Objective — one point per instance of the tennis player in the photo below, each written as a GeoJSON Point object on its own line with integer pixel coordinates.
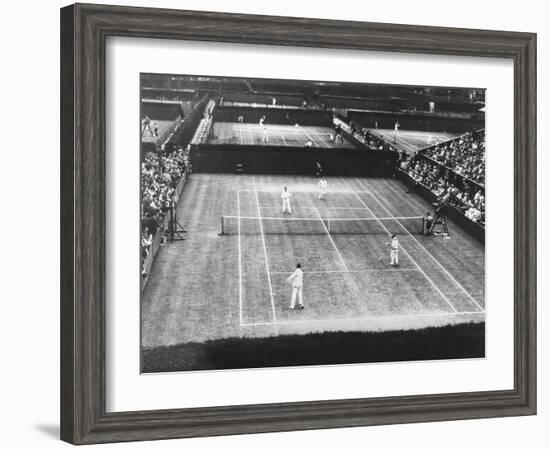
{"type": "Point", "coordinates": [146, 125]}
{"type": "Point", "coordinates": [297, 281]}
{"type": "Point", "coordinates": [395, 131]}
{"type": "Point", "coordinates": [394, 250]}
{"type": "Point", "coordinates": [322, 188]}
{"type": "Point", "coordinates": [265, 137]}
{"type": "Point", "coordinates": [338, 135]}
{"type": "Point", "coordinates": [285, 196]}
{"type": "Point", "coordinates": [428, 224]}
{"type": "Point", "coordinates": [318, 170]}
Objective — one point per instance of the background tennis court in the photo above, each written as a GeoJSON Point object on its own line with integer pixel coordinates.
{"type": "Point", "coordinates": [411, 141]}
{"type": "Point", "coordinates": [212, 286]}
{"type": "Point", "coordinates": [285, 135]}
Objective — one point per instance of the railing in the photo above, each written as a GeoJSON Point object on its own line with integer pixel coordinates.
{"type": "Point", "coordinates": [465, 179]}
{"type": "Point", "coordinates": [359, 140]}
{"type": "Point", "coordinates": [456, 214]}
{"type": "Point", "coordinates": [183, 134]}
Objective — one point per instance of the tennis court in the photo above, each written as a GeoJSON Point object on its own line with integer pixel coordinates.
{"type": "Point", "coordinates": [412, 141]}
{"type": "Point", "coordinates": [284, 135]}
{"type": "Point", "coordinates": [233, 285]}
{"type": "Point", "coordinates": [163, 127]}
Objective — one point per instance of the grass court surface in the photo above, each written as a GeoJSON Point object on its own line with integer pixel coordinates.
{"type": "Point", "coordinates": [162, 125]}
{"type": "Point", "coordinates": [412, 141]}
{"type": "Point", "coordinates": [211, 287]}
{"type": "Point", "coordinates": [284, 135]}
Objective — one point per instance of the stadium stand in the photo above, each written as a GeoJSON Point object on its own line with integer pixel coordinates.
{"type": "Point", "coordinates": [264, 100]}
{"type": "Point", "coordinates": [362, 135]}
{"type": "Point", "coordinates": [450, 172]}
{"type": "Point", "coordinates": [162, 180]}
{"type": "Point", "coordinates": [465, 156]}
{"type": "Point", "coordinates": [163, 176]}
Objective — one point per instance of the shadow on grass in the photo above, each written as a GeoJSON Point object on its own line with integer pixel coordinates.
{"type": "Point", "coordinates": [327, 348]}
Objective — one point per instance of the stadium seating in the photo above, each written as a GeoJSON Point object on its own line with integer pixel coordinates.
{"type": "Point", "coordinates": [448, 184]}
{"type": "Point", "coordinates": [465, 156]}
{"type": "Point", "coordinates": [160, 176]}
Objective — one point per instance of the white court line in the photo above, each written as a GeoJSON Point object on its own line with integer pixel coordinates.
{"type": "Point", "coordinates": [374, 218]}
{"type": "Point", "coordinates": [243, 135]}
{"type": "Point", "coordinates": [430, 254]}
{"type": "Point", "coordinates": [322, 140]}
{"type": "Point", "coordinates": [319, 137]}
{"type": "Point", "coordinates": [311, 190]}
{"type": "Point", "coordinates": [332, 241]}
{"type": "Point", "coordinates": [345, 208]}
{"type": "Point", "coordinates": [403, 142]}
{"type": "Point", "coordinates": [393, 270]}
{"type": "Point", "coordinates": [389, 138]}
{"type": "Point", "coordinates": [410, 257]}
{"type": "Point", "coordinates": [240, 259]}
{"type": "Point", "coordinates": [266, 260]}
{"type": "Point", "coordinates": [295, 207]}
{"type": "Point", "coordinates": [310, 138]}
{"type": "Point", "coordinates": [251, 136]}
{"type": "Point", "coordinates": [369, 318]}
{"type": "Point", "coordinates": [313, 207]}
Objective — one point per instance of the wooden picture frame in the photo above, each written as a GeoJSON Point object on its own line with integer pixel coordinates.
{"type": "Point", "coordinates": [84, 29]}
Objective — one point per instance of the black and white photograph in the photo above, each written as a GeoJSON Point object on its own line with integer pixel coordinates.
{"type": "Point", "coordinates": [298, 222]}
{"type": "Point", "coordinates": [275, 224]}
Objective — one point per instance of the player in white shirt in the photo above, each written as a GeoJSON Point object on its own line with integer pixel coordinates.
{"type": "Point", "coordinates": [297, 281]}
{"type": "Point", "coordinates": [322, 188]}
{"type": "Point", "coordinates": [394, 251]}
{"type": "Point", "coordinates": [265, 137]}
{"type": "Point", "coordinates": [285, 196]}
{"type": "Point", "coordinates": [395, 131]}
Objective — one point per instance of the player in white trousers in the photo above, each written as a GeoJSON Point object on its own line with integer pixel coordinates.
{"type": "Point", "coordinates": [297, 281]}
{"type": "Point", "coordinates": [395, 131]}
{"type": "Point", "coordinates": [322, 188]}
{"type": "Point", "coordinates": [265, 137]}
{"type": "Point", "coordinates": [394, 251]}
{"type": "Point", "coordinates": [285, 196]}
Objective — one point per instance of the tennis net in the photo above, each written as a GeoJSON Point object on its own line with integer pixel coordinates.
{"type": "Point", "coordinates": [233, 225]}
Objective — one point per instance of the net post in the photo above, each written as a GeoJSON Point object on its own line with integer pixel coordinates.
{"type": "Point", "coordinates": [221, 225]}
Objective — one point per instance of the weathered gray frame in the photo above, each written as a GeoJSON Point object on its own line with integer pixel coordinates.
{"type": "Point", "coordinates": [84, 29]}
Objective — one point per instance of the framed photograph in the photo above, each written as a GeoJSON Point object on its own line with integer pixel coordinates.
{"type": "Point", "coordinates": [274, 223]}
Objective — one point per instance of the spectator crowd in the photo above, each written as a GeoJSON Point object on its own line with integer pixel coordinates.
{"type": "Point", "coordinates": [446, 185]}
{"type": "Point", "coordinates": [160, 174]}
{"type": "Point", "coordinates": [365, 136]}
{"type": "Point", "coordinates": [465, 156]}
{"type": "Point", "coordinates": [374, 141]}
